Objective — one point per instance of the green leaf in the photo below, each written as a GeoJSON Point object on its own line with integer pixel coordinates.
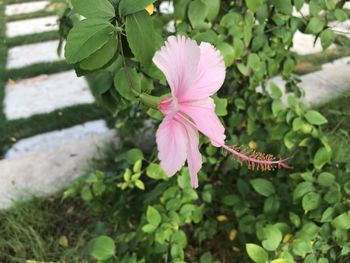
{"type": "Point", "coordinates": [302, 189]}
{"type": "Point", "coordinates": [330, 4]}
{"type": "Point", "coordinates": [148, 228]}
{"type": "Point", "coordinates": [301, 247]}
{"type": "Point", "coordinates": [327, 38]}
{"type": "Point", "coordinates": [341, 15]}
{"type": "Point", "coordinates": [240, 104]}
{"type": "Point", "coordinates": [311, 201]}
{"type": "Point", "coordinates": [133, 155]}
{"type": "Point", "coordinates": [101, 248]}
{"type": "Point", "coordinates": [325, 179]}
{"type": "Point", "coordinates": [140, 185]}
{"type": "Point", "coordinates": [127, 7]}
{"type": "Point", "coordinates": [156, 172]}
{"type": "Point", "coordinates": [213, 7]}
{"type": "Point", "coordinates": [322, 157]}
{"type": "Point", "coordinates": [139, 26]}
{"type": "Point", "coordinates": [275, 90]}
{"type": "Point", "coordinates": [263, 186]}
{"type": "Point", "coordinates": [277, 106]}
{"type": "Point", "coordinates": [327, 215]}
{"type": "Point", "coordinates": [298, 4]}
{"type": "Point", "coordinates": [153, 216]}
{"type": "Point", "coordinates": [254, 61]}
{"type": "Point", "coordinates": [197, 12]}
{"type": "Point", "coordinates": [257, 253]}
{"type": "Point", "coordinates": [243, 69]}
{"type": "Point", "coordinates": [283, 6]}
{"type": "Point", "coordinates": [86, 37]}
{"type": "Point", "coordinates": [342, 221]}
{"type": "Point", "coordinates": [220, 106]}
{"type": "Point", "coordinates": [101, 57]}
{"type": "Point", "coordinates": [227, 52]}
{"type": "Point", "coordinates": [272, 237]}
{"type": "Point", "coordinates": [254, 5]}
{"type": "Point", "coordinates": [206, 258]}
{"type": "Point", "coordinates": [315, 118]}
{"type": "Point", "coordinates": [128, 83]}
{"type": "Point", "coordinates": [179, 238]}
{"type": "Point", "coordinates": [180, 8]}
{"type": "Point", "coordinates": [315, 25]}
{"type": "Point", "coordinates": [94, 8]}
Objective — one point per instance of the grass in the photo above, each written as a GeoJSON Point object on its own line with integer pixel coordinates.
{"type": "Point", "coordinates": [313, 62]}
{"type": "Point", "coordinates": [35, 38]}
{"type": "Point", "coordinates": [41, 229]}
{"type": "Point", "coordinates": [37, 14]}
{"type": "Point", "coordinates": [337, 112]}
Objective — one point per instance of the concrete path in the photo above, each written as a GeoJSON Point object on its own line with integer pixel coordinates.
{"type": "Point", "coordinates": [45, 163]}
{"type": "Point", "coordinates": [324, 85]}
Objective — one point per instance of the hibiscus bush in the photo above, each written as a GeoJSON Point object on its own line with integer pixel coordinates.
{"type": "Point", "coordinates": [207, 81]}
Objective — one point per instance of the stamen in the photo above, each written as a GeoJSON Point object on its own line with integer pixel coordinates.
{"type": "Point", "coordinates": [255, 160]}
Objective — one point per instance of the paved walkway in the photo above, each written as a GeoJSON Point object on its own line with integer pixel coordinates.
{"type": "Point", "coordinates": [47, 162]}
{"type": "Point", "coordinates": [44, 163]}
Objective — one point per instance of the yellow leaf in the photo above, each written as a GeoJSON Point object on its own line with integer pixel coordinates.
{"type": "Point", "coordinates": [236, 249]}
{"type": "Point", "coordinates": [287, 238]}
{"type": "Point", "coordinates": [222, 218]}
{"type": "Point", "coordinates": [63, 241]}
{"type": "Point", "coordinates": [150, 9]}
{"type": "Point", "coordinates": [233, 234]}
{"type": "Point", "coordinates": [280, 260]}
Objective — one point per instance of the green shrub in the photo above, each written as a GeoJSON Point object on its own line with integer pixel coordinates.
{"type": "Point", "coordinates": [236, 215]}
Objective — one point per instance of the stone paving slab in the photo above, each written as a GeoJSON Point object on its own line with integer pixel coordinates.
{"type": "Point", "coordinates": [50, 170]}
{"type": "Point", "coordinates": [304, 44]}
{"type": "Point", "coordinates": [26, 55]}
{"type": "Point", "coordinates": [321, 86]}
{"type": "Point", "coordinates": [31, 26]}
{"type": "Point", "coordinates": [341, 27]}
{"type": "Point", "coordinates": [53, 139]}
{"type": "Point", "coordinates": [25, 8]}
{"type": "Point", "coordinates": [44, 94]}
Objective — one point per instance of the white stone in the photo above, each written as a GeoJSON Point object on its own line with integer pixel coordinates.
{"type": "Point", "coordinates": [321, 86]}
{"type": "Point", "coordinates": [303, 44]}
{"type": "Point", "coordinates": [53, 139]}
{"type": "Point", "coordinates": [50, 170]}
{"type": "Point", "coordinates": [303, 12]}
{"type": "Point", "coordinates": [166, 7]}
{"type": "Point", "coordinates": [44, 94]}
{"type": "Point", "coordinates": [341, 27]}
{"type": "Point", "coordinates": [25, 8]}
{"type": "Point", "coordinates": [26, 55]}
{"type": "Point", "coordinates": [31, 26]}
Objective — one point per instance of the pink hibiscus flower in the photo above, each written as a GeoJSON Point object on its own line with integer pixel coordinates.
{"type": "Point", "coordinates": [194, 73]}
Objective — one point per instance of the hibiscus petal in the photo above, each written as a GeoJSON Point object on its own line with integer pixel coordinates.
{"type": "Point", "coordinates": [172, 141]}
{"type": "Point", "coordinates": [202, 112]}
{"type": "Point", "coordinates": [194, 158]}
{"type": "Point", "coordinates": [210, 74]}
{"type": "Point", "coordinates": [178, 60]}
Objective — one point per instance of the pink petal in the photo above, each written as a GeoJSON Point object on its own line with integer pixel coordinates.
{"type": "Point", "coordinates": [203, 114]}
{"type": "Point", "coordinates": [172, 141]}
{"type": "Point", "coordinates": [178, 60]}
{"type": "Point", "coordinates": [194, 158]}
{"type": "Point", "coordinates": [210, 74]}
